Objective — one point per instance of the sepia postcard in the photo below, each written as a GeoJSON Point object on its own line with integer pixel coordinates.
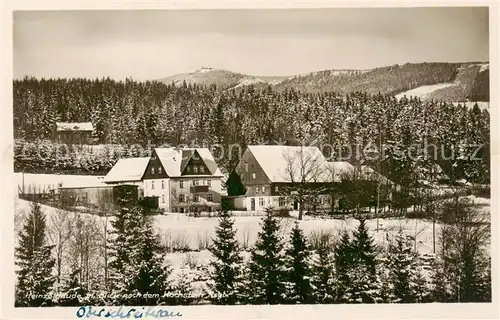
{"type": "Point", "coordinates": [249, 161]}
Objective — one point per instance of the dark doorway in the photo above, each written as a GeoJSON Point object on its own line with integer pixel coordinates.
{"type": "Point", "coordinates": [295, 205]}
{"type": "Point", "coordinates": [252, 204]}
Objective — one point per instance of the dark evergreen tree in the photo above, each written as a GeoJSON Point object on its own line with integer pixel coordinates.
{"type": "Point", "coordinates": [34, 262]}
{"type": "Point", "coordinates": [405, 271]}
{"type": "Point", "coordinates": [149, 273]}
{"type": "Point", "coordinates": [267, 274]}
{"type": "Point", "coordinates": [136, 262]}
{"type": "Point", "coordinates": [226, 275]}
{"type": "Point", "coordinates": [344, 256]}
{"type": "Point", "coordinates": [363, 248]}
{"type": "Point", "coordinates": [323, 274]}
{"type": "Point", "coordinates": [297, 267]}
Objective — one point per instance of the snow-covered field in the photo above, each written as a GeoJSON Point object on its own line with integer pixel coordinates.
{"type": "Point", "coordinates": [424, 91]}
{"type": "Point", "coordinates": [195, 233]}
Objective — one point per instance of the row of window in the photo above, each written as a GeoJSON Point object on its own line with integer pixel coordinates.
{"type": "Point", "coordinates": [153, 170]}
{"type": "Point", "coordinates": [195, 169]}
{"type": "Point", "coordinates": [190, 169]}
{"type": "Point", "coordinates": [263, 188]}
{"type": "Point", "coordinates": [181, 183]}
{"type": "Point", "coordinates": [281, 200]}
{"type": "Point", "coordinates": [196, 197]}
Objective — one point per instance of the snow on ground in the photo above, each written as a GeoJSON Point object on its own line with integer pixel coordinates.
{"type": "Point", "coordinates": [52, 181]}
{"type": "Point", "coordinates": [424, 91]}
{"type": "Point", "coordinates": [195, 232]}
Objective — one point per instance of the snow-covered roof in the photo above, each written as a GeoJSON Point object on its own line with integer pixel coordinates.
{"type": "Point", "coordinates": [290, 163]}
{"type": "Point", "coordinates": [335, 170]}
{"type": "Point", "coordinates": [129, 169]}
{"type": "Point", "coordinates": [174, 160]}
{"type": "Point", "coordinates": [74, 126]}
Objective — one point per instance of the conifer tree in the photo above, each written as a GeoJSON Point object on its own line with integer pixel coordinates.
{"type": "Point", "coordinates": [149, 277]}
{"type": "Point", "coordinates": [267, 274]}
{"type": "Point", "coordinates": [34, 262]}
{"type": "Point", "coordinates": [226, 275]}
{"type": "Point", "coordinates": [363, 247]}
{"type": "Point", "coordinates": [343, 261]}
{"type": "Point", "coordinates": [405, 273]}
{"type": "Point", "coordinates": [297, 266]}
{"type": "Point", "coordinates": [136, 266]}
{"type": "Point", "coordinates": [182, 289]}
{"type": "Point", "coordinates": [323, 274]}
{"type": "Point", "coordinates": [365, 286]}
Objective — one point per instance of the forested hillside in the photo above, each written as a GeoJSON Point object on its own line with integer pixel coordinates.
{"type": "Point", "coordinates": [386, 80]}
{"type": "Point", "coordinates": [223, 79]}
{"type": "Point", "coordinates": [132, 112]}
{"type": "Point", "coordinates": [461, 81]}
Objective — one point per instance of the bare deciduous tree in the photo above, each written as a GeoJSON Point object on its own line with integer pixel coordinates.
{"type": "Point", "coordinates": [304, 172]}
{"type": "Point", "coordinates": [59, 233]}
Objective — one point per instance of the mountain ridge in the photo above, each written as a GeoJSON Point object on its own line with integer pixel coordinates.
{"type": "Point", "coordinates": [454, 81]}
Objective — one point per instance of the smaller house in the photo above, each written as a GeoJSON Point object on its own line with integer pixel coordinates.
{"type": "Point", "coordinates": [74, 132]}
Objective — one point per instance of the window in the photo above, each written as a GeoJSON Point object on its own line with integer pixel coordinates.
{"type": "Point", "coordinates": [159, 170]}
{"type": "Point", "coordinates": [257, 189]}
{"type": "Point", "coordinates": [153, 156]}
{"type": "Point", "coordinates": [181, 198]}
{"type": "Point", "coordinates": [261, 202]}
{"type": "Point", "coordinates": [246, 166]}
{"type": "Point", "coordinates": [209, 183]}
{"type": "Point", "coordinates": [282, 202]}
{"type": "Point", "coordinates": [152, 170]}
{"type": "Point", "coordinates": [181, 184]}
{"type": "Point", "coordinates": [195, 168]}
{"type": "Point", "coordinates": [253, 176]}
{"type": "Point", "coordinates": [189, 169]}
{"type": "Point", "coordinates": [263, 189]}
{"type": "Point", "coordinates": [163, 184]}
{"type": "Point", "coordinates": [196, 182]}
{"type": "Point", "coordinates": [276, 188]}
{"type": "Point", "coordinates": [162, 199]}
{"type": "Point", "coordinates": [152, 184]}
{"type": "Point", "coordinates": [196, 198]}
{"type": "Point", "coordinates": [210, 197]}
{"type": "Point", "coordinates": [202, 169]}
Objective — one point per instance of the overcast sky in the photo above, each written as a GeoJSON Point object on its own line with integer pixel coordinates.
{"type": "Point", "coordinates": [155, 44]}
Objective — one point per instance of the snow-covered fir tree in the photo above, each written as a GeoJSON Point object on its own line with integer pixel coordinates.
{"type": "Point", "coordinates": [226, 273]}
{"type": "Point", "coordinates": [343, 254]}
{"type": "Point", "coordinates": [298, 270]}
{"type": "Point", "coordinates": [149, 277]}
{"type": "Point", "coordinates": [34, 261]}
{"type": "Point", "coordinates": [183, 292]}
{"type": "Point", "coordinates": [267, 274]}
{"type": "Point", "coordinates": [136, 266]}
{"type": "Point", "coordinates": [355, 264]}
{"type": "Point", "coordinates": [124, 240]}
{"type": "Point", "coordinates": [406, 282]}
{"type": "Point", "coordinates": [323, 274]}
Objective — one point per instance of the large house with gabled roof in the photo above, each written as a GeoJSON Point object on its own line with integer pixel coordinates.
{"type": "Point", "coordinates": [268, 175]}
{"type": "Point", "coordinates": [182, 180]}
